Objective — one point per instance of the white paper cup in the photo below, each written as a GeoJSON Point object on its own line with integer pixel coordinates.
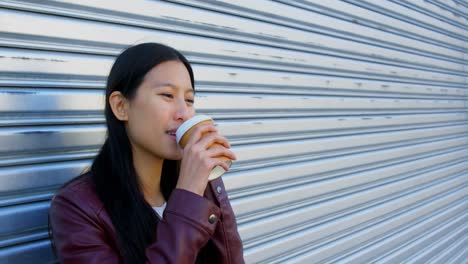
{"type": "Point", "coordinates": [184, 132]}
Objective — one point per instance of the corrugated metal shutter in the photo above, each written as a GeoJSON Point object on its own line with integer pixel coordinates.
{"type": "Point", "coordinates": [349, 118]}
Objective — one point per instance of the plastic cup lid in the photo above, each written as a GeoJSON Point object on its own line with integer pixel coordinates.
{"type": "Point", "coordinates": [190, 123]}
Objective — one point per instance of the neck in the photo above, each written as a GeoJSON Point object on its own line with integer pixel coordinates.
{"type": "Point", "coordinates": [149, 169]}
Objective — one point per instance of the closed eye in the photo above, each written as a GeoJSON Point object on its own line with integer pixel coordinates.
{"type": "Point", "coordinates": [191, 101]}
{"type": "Point", "coordinates": [168, 95]}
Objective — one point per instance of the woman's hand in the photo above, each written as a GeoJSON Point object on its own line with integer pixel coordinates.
{"type": "Point", "coordinates": [198, 159]}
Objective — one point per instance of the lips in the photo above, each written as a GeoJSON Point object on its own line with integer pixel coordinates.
{"type": "Point", "coordinates": [172, 133]}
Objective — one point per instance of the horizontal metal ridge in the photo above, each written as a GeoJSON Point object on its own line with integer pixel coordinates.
{"type": "Point", "coordinates": [431, 11]}
{"type": "Point", "coordinates": [418, 237]}
{"type": "Point", "coordinates": [273, 138]}
{"type": "Point", "coordinates": [377, 17]}
{"type": "Point", "coordinates": [364, 23]}
{"type": "Point", "coordinates": [406, 21]}
{"type": "Point", "coordinates": [291, 149]}
{"type": "Point", "coordinates": [349, 119]}
{"type": "Point", "coordinates": [33, 217]}
{"type": "Point", "coordinates": [321, 233]}
{"type": "Point", "coordinates": [365, 238]}
{"type": "Point", "coordinates": [54, 69]}
{"type": "Point", "coordinates": [22, 238]}
{"type": "Point", "coordinates": [275, 202]}
{"type": "Point", "coordinates": [16, 213]}
{"type": "Point", "coordinates": [435, 240]}
{"type": "Point", "coordinates": [446, 5]}
{"type": "Point", "coordinates": [53, 174]}
{"type": "Point", "coordinates": [158, 15]}
{"type": "Point", "coordinates": [26, 237]}
{"type": "Point", "coordinates": [451, 254]}
{"type": "Point", "coordinates": [18, 198]}
{"type": "Point", "coordinates": [89, 137]}
{"type": "Point", "coordinates": [226, 79]}
{"type": "Point", "coordinates": [32, 178]}
{"type": "Point", "coordinates": [28, 253]}
{"type": "Point", "coordinates": [253, 215]}
{"type": "Point", "coordinates": [84, 37]}
{"type": "Point", "coordinates": [25, 65]}
{"type": "Point", "coordinates": [458, 252]}
{"type": "Point", "coordinates": [268, 176]}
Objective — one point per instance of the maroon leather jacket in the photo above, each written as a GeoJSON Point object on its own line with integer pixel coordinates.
{"type": "Point", "coordinates": [83, 232]}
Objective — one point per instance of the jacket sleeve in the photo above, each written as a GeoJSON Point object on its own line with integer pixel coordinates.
{"type": "Point", "coordinates": [80, 237]}
{"type": "Point", "coordinates": [226, 238]}
{"type": "Point", "coordinates": [183, 232]}
{"type": "Point", "coordinates": [77, 236]}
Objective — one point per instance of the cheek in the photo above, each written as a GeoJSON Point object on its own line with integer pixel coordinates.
{"type": "Point", "coordinates": [139, 123]}
{"type": "Point", "coordinates": [135, 130]}
{"type": "Point", "coordinates": [192, 112]}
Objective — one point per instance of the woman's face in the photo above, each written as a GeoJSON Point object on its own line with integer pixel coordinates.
{"type": "Point", "coordinates": [162, 103]}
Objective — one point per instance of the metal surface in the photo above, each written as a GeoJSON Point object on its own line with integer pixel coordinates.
{"type": "Point", "coordinates": [349, 118]}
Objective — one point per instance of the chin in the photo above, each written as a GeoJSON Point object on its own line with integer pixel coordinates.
{"type": "Point", "coordinates": [177, 156]}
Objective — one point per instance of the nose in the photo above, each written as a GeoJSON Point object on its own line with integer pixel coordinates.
{"type": "Point", "coordinates": [183, 111]}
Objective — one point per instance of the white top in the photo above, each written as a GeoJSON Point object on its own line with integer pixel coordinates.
{"type": "Point", "coordinates": [190, 123]}
{"type": "Point", "coordinates": [160, 209]}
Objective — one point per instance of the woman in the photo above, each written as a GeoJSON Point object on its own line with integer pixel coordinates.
{"type": "Point", "coordinates": [144, 199]}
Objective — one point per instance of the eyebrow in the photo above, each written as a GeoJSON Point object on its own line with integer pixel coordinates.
{"type": "Point", "coordinates": [187, 90]}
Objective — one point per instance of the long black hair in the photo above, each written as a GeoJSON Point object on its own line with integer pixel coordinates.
{"type": "Point", "coordinates": [113, 171]}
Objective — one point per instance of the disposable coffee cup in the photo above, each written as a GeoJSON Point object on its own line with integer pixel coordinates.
{"type": "Point", "coordinates": [184, 132]}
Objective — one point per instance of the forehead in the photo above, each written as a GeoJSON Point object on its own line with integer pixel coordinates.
{"type": "Point", "coordinates": [170, 72]}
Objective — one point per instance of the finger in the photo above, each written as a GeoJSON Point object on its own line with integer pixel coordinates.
{"type": "Point", "coordinates": [220, 151]}
{"type": "Point", "coordinates": [213, 138]}
{"type": "Point", "coordinates": [199, 132]}
{"type": "Point", "coordinates": [218, 162]}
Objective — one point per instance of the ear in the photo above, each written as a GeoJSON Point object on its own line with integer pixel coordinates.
{"type": "Point", "coordinates": [119, 105]}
